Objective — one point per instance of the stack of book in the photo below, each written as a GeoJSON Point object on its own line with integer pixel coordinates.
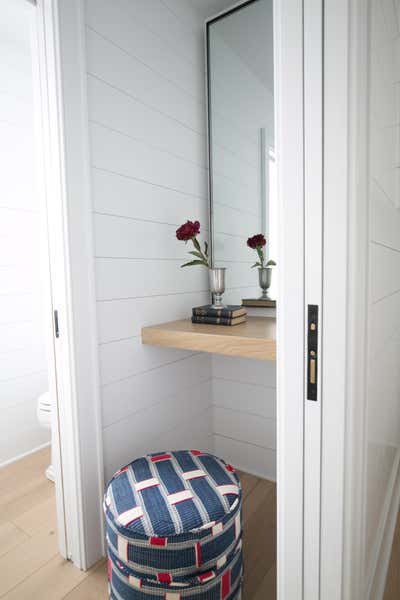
{"type": "Point", "coordinates": [229, 315]}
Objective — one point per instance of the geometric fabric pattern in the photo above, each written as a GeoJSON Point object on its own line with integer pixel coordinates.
{"type": "Point", "coordinates": [174, 528]}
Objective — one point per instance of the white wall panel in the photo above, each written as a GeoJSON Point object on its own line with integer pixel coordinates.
{"type": "Point", "coordinates": [123, 113]}
{"type": "Point", "coordinates": [244, 412]}
{"type": "Point", "coordinates": [23, 364]}
{"type": "Point", "coordinates": [142, 432]}
{"type": "Point", "coordinates": [383, 381]}
{"type": "Point", "coordinates": [127, 396]}
{"type": "Point", "coordinates": [110, 63]}
{"type": "Point", "coordinates": [120, 23]}
{"type": "Point", "coordinates": [124, 155]}
{"type": "Point", "coordinates": [118, 319]}
{"type": "Point", "coordinates": [244, 427]}
{"type": "Point", "coordinates": [119, 237]}
{"type": "Point", "coordinates": [147, 142]}
{"type": "Point", "coordinates": [125, 358]}
{"type": "Point", "coordinates": [247, 398]}
{"type": "Point", "coordinates": [124, 196]}
{"type": "Point", "coordinates": [131, 278]}
{"type": "Point", "coordinates": [247, 457]}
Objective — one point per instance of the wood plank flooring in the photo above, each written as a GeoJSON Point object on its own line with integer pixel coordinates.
{"type": "Point", "coordinates": [31, 568]}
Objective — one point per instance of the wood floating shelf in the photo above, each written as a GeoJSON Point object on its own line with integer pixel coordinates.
{"type": "Point", "coordinates": [259, 302]}
{"type": "Point", "coordinates": [256, 338]}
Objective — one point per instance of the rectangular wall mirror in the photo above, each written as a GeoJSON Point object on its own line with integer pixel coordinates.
{"type": "Point", "coordinates": [240, 74]}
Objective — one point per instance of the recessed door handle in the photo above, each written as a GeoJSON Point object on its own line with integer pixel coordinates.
{"type": "Point", "coordinates": [312, 353]}
{"type": "Point", "coordinates": [313, 371]}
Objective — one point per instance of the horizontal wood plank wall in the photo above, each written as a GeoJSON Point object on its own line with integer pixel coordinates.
{"type": "Point", "coordinates": [244, 413]}
{"type": "Point", "coordinates": [23, 370]}
{"type": "Point", "coordinates": [145, 63]}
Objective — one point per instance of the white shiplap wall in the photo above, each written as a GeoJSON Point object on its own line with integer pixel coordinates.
{"type": "Point", "coordinates": [383, 389]}
{"type": "Point", "coordinates": [23, 364]}
{"type": "Point", "coordinates": [145, 63]}
{"type": "Point", "coordinates": [244, 413]}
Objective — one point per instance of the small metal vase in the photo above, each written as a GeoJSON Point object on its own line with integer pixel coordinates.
{"type": "Point", "coordinates": [264, 278]}
{"type": "Point", "coordinates": [216, 279]}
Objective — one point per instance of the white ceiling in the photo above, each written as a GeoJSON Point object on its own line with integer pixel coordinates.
{"type": "Point", "coordinates": [209, 8]}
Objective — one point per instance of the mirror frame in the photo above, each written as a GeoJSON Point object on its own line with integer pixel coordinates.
{"type": "Point", "coordinates": [234, 8]}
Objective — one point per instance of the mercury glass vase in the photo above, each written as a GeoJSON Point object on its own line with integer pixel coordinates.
{"type": "Point", "coordinates": [264, 278]}
{"type": "Point", "coordinates": [216, 277]}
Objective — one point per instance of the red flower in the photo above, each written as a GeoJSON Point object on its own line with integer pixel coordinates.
{"type": "Point", "coordinates": [188, 230]}
{"type": "Point", "coordinates": [257, 241]}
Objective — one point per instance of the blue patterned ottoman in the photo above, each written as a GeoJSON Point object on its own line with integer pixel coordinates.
{"type": "Point", "coordinates": [174, 529]}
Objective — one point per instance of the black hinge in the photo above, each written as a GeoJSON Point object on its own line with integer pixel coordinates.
{"type": "Point", "coordinates": [312, 352]}
{"type": "Point", "coordinates": [56, 327]}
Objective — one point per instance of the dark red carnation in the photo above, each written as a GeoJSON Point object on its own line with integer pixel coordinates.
{"type": "Point", "coordinates": [188, 230]}
{"type": "Point", "coordinates": [257, 241]}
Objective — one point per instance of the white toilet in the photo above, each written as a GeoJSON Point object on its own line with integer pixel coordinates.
{"type": "Point", "coordinates": [44, 415]}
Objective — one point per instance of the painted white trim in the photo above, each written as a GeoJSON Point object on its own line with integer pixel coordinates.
{"type": "Point", "coordinates": [288, 34]}
{"type": "Point", "coordinates": [335, 302]}
{"type": "Point", "coordinates": [23, 455]}
{"type": "Point", "coordinates": [386, 529]}
{"type": "Point", "coordinates": [313, 244]}
{"type": "Point", "coordinates": [44, 157]}
{"type": "Point", "coordinates": [357, 282]}
{"type": "Point", "coordinates": [67, 184]}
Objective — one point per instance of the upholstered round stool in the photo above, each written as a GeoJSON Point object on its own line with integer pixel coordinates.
{"type": "Point", "coordinates": [174, 528]}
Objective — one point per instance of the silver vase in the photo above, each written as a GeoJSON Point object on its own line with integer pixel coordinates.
{"type": "Point", "coordinates": [264, 278]}
{"type": "Point", "coordinates": [216, 279]}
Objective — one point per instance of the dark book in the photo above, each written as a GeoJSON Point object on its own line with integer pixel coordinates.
{"type": "Point", "coordinates": [229, 312]}
{"type": "Point", "coordinates": [219, 320]}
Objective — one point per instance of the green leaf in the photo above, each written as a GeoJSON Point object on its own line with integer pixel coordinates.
{"type": "Point", "coordinates": [198, 254]}
{"type": "Point", "coordinates": [256, 265]}
{"type": "Point", "coordinates": [206, 248]}
{"type": "Point", "coordinates": [195, 262]}
{"type": "Point", "coordinates": [271, 263]}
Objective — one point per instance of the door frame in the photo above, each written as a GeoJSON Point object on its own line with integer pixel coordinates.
{"type": "Point", "coordinates": [64, 187]}
{"type": "Point", "coordinates": [61, 51]}
{"type": "Point", "coordinates": [289, 133]}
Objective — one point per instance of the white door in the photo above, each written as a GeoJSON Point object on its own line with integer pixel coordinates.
{"type": "Point", "coordinates": [313, 316]}
{"type": "Point", "coordinates": [299, 130]}
{"type": "Point", "coordinates": [63, 167]}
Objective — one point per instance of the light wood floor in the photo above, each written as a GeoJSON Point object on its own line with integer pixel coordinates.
{"type": "Point", "coordinates": [30, 567]}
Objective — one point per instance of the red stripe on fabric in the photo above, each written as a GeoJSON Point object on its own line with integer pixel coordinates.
{"type": "Point", "coordinates": [158, 541]}
{"type": "Point", "coordinates": [198, 555]}
{"type": "Point", "coordinates": [164, 577]}
{"type": "Point", "coordinates": [109, 569]}
{"type": "Point", "coordinates": [195, 452]}
{"type": "Point", "coordinates": [225, 585]}
{"type": "Point", "coordinates": [123, 470]}
{"type": "Point", "coordinates": [205, 576]}
{"type": "Point", "coordinates": [160, 457]}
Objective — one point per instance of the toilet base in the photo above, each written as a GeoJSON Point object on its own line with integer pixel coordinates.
{"type": "Point", "coordinates": [50, 473]}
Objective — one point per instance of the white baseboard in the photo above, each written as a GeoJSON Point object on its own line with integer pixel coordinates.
{"type": "Point", "coordinates": [16, 458]}
{"type": "Point", "coordinates": [377, 581]}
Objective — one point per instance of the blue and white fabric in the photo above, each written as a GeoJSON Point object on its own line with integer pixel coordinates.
{"type": "Point", "coordinates": [173, 522]}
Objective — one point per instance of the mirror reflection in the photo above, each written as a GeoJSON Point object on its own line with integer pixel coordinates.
{"type": "Point", "coordinates": [242, 151]}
